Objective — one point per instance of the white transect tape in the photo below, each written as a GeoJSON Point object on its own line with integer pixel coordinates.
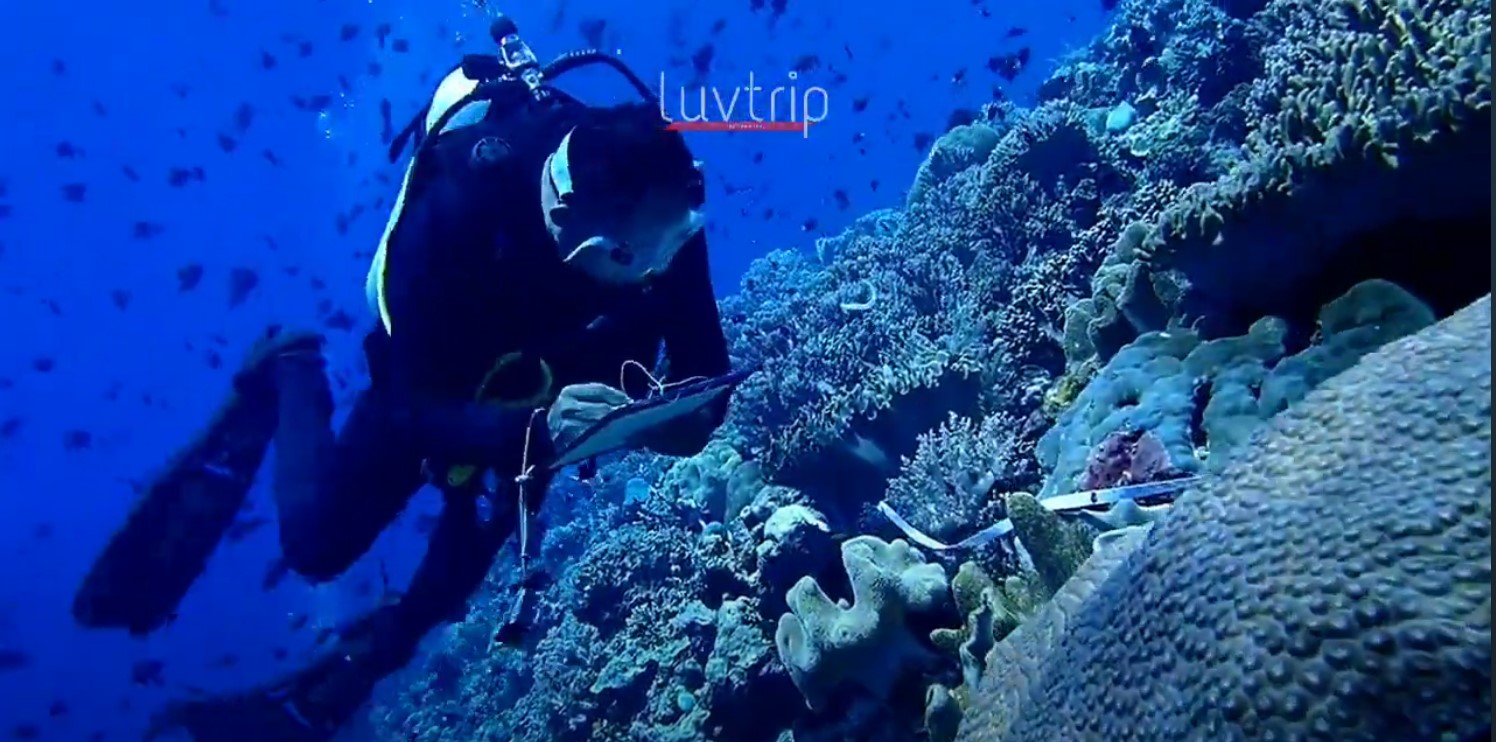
{"type": "Point", "coordinates": [1059, 504]}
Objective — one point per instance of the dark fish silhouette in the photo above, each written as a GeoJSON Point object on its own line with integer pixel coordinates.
{"type": "Point", "coordinates": [275, 573]}
{"type": "Point", "coordinates": [14, 659]}
{"type": "Point", "coordinates": [148, 673]}
{"type": "Point", "coordinates": [242, 283]}
{"type": "Point", "coordinates": [77, 440]}
{"type": "Point", "coordinates": [189, 276]}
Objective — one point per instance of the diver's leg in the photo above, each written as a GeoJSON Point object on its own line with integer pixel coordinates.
{"type": "Point", "coordinates": [312, 704]}
{"type": "Point", "coordinates": [460, 554]}
{"type": "Point", "coordinates": [151, 562]}
{"type": "Point", "coordinates": [337, 493]}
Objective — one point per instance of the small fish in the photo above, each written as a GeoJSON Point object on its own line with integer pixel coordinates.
{"type": "Point", "coordinates": [148, 673]}
{"type": "Point", "coordinates": [77, 440]}
{"type": "Point", "coordinates": [592, 30]}
{"type": "Point", "coordinates": [701, 61]}
{"type": "Point", "coordinates": [244, 115]}
{"type": "Point", "coordinates": [386, 125]}
{"type": "Point", "coordinates": [339, 320]}
{"type": "Point", "coordinates": [275, 573]}
{"type": "Point", "coordinates": [189, 276]}
{"type": "Point", "coordinates": [1008, 66]}
{"type": "Point", "coordinates": [14, 659]}
{"type": "Point", "coordinates": [242, 283]}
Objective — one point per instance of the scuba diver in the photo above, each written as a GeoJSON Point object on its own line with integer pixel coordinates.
{"type": "Point", "coordinates": [539, 250]}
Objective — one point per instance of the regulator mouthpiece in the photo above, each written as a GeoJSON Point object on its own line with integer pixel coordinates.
{"type": "Point", "coordinates": [514, 53]}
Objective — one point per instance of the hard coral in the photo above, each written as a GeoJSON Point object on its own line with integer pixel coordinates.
{"type": "Point", "coordinates": [948, 487]}
{"type": "Point", "coordinates": [1197, 398]}
{"type": "Point", "coordinates": [1302, 595]}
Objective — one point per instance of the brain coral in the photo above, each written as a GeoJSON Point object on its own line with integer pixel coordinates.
{"type": "Point", "coordinates": [1334, 583]}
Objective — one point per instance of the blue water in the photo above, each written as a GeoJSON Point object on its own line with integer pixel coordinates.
{"type": "Point", "coordinates": [117, 344]}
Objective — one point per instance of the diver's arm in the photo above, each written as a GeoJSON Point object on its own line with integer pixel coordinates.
{"type": "Point", "coordinates": [695, 346]}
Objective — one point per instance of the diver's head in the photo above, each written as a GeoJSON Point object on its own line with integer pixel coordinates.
{"type": "Point", "coordinates": [622, 194]}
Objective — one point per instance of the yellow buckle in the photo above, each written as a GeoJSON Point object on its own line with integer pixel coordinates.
{"type": "Point", "coordinates": [461, 474]}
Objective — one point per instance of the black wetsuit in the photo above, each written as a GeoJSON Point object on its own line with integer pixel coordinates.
{"type": "Point", "coordinates": [472, 276]}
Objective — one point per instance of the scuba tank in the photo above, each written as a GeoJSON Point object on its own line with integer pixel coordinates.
{"type": "Point", "coordinates": [514, 62]}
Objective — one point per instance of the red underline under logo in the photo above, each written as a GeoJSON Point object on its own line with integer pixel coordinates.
{"type": "Point", "coordinates": [793, 126]}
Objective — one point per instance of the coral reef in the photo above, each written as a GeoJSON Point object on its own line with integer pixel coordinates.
{"type": "Point", "coordinates": [1202, 399]}
{"type": "Point", "coordinates": [1182, 260]}
{"type": "Point", "coordinates": [1367, 132]}
{"type": "Point", "coordinates": [1305, 593]}
{"type": "Point", "coordinates": [949, 487]}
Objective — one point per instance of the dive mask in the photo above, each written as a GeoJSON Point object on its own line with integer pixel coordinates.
{"type": "Point", "coordinates": [633, 237]}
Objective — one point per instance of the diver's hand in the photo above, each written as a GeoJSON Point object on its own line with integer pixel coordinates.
{"type": "Point", "coordinates": [579, 407]}
{"type": "Point", "coordinates": [255, 377]}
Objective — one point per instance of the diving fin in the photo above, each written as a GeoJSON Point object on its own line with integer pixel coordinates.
{"type": "Point", "coordinates": [151, 562]}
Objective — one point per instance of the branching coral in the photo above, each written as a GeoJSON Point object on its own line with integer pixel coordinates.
{"type": "Point", "coordinates": [947, 489]}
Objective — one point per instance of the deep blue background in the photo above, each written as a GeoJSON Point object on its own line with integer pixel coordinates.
{"type": "Point", "coordinates": [150, 87]}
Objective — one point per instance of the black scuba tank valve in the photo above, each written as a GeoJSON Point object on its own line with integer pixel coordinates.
{"type": "Point", "coordinates": [516, 55]}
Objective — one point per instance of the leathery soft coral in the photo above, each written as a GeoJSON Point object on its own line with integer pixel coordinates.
{"type": "Point", "coordinates": [868, 644]}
